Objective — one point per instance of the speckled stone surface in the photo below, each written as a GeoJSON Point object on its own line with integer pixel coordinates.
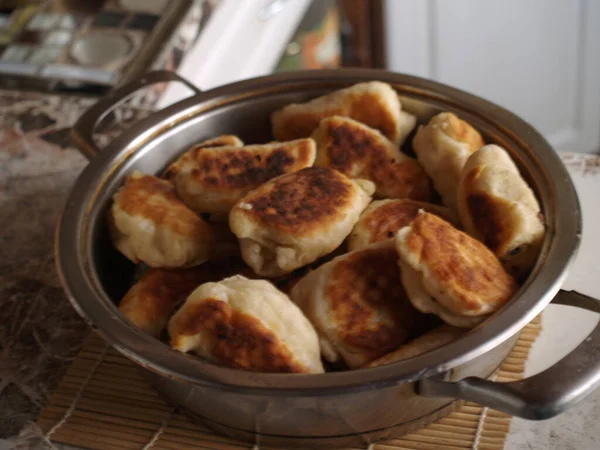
{"type": "Point", "coordinates": [564, 327]}
{"type": "Point", "coordinates": [40, 333]}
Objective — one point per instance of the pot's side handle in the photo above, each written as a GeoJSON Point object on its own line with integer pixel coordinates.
{"type": "Point", "coordinates": [82, 132]}
{"type": "Point", "coordinates": [541, 396]}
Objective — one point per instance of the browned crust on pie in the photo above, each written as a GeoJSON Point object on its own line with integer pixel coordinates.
{"type": "Point", "coordinates": [461, 131]}
{"type": "Point", "coordinates": [155, 199]}
{"type": "Point", "coordinates": [226, 140]}
{"type": "Point", "coordinates": [368, 304]}
{"type": "Point", "coordinates": [465, 267]}
{"type": "Point", "coordinates": [234, 168]}
{"type": "Point", "coordinates": [301, 202]}
{"type": "Point", "coordinates": [237, 339]}
{"type": "Point", "coordinates": [364, 103]}
{"type": "Point", "coordinates": [150, 301]}
{"type": "Point", "coordinates": [362, 152]}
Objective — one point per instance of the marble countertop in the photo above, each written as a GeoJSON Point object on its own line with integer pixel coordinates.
{"type": "Point", "coordinates": [40, 333]}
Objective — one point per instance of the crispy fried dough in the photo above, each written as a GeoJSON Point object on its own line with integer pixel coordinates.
{"type": "Point", "coordinates": [358, 305]}
{"type": "Point", "coordinates": [382, 219]}
{"type": "Point", "coordinates": [150, 302]}
{"type": "Point", "coordinates": [294, 219]}
{"type": "Point", "coordinates": [150, 224]}
{"type": "Point", "coordinates": [246, 324]}
{"type": "Point", "coordinates": [226, 140]}
{"type": "Point", "coordinates": [498, 207]}
{"type": "Point", "coordinates": [442, 147]}
{"type": "Point", "coordinates": [373, 103]}
{"type": "Point", "coordinates": [359, 151]}
{"type": "Point", "coordinates": [452, 270]}
{"type": "Point", "coordinates": [211, 180]}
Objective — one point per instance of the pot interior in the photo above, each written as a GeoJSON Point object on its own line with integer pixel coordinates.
{"type": "Point", "coordinates": [249, 119]}
{"type": "Point", "coordinates": [244, 109]}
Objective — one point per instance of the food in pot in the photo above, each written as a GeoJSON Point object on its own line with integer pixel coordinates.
{"type": "Point", "coordinates": [150, 224]}
{"type": "Point", "coordinates": [498, 207]}
{"type": "Point", "coordinates": [225, 140]}
{"type": "Point", "coordinates": [300, 213]}
{"type": "Point", "coordinates": [211, 180]}
{"type": "Point", "coordinates": [382, 219]}
{"type": "Point", "coordinates": [151, 301]}
{"type": "Point", "coordinates": [373, 103]}
{"type": "Point", "coordinates": [359, 151]}
{"type": "Point", "coordinates": [436, 338]}
{"type": "Point", "coordinates": [295, 219]}
{"type": "Point", "coordinates": [449, 273]}
{"type": "Point", "coordinates": [286, 282]}
{"type": "Point", "coordinates": [442, 147]}
{"type": "Point", "coordinates": [246, 324]}
{"type": "Point", "coordinates": [358, 305]}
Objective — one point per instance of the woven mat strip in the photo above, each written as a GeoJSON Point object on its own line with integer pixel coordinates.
{"type": "Point", "coordinates": [103, 402]}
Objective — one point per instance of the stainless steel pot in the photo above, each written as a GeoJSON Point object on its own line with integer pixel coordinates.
{"type": "Point", "coordinates": [343, 408]}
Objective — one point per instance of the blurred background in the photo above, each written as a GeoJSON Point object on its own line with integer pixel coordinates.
{"type": "Point", "coordinates": [538, 58]}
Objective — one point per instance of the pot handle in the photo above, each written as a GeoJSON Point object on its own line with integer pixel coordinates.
{"type": "Point", "coordinates": [82, 132]}
{"type": "Point", "coordinates": [541, 396]}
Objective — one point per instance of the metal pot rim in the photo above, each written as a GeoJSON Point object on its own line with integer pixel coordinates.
{"type": "Point", "coordinates": [72, 247]}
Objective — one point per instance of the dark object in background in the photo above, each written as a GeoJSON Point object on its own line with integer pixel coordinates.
{"type": "Point", "coordinates": [79, 6]}
{"type": "Point", "coordinates": [316, 44]}
{"type": "Point", "coordinates": [363, 38]}
{"type": "Point", "coordinates": [143, 22]}
{"type": "Point", "coordinates": [108, 19]}
{"type": "Point", "coordinates": [86, 46]}
{"type": "Point", "coordinates": [337, 33]}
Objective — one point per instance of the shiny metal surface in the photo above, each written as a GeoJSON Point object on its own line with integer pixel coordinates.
{"type": "Point", "coordinates": [541, 396]}
{"type": "Point", "coordinates": [344, 405]}
{"type": "Point", "coordinates": [83, 133]}
{"type": "Point", "coordinates": [339, 419]}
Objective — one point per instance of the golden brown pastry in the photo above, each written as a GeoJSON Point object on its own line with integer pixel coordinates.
{"type": "Point", "coordinates": [358, 306]}
{"type": "Point", "coordinates": [442, 147]}
{"type": "Point", "coordinates": [436, 338]}
{"type": "Point", "coordinates": [498, 207]}
{"type": "Point", "coordinates": [226, 140]}
{"type": "Point", "coordinates": [246, 324]}
{"type": "Point", "coordinates": [286, 282]}
{"type": "Point", "coordinates": [373, 103]}
{"type": "Point", "coordinates": [211, 180]}
{"type": "Point", "coordinates": [362, 152]}
{"type": "Point", "coordinates": [384, 218]}
{"type": "Point", "coordinates": [295, 219]}
{"type": "Point", "coordinates": [448, 273]}
{"type": "Point", "coordinates": [150, 302]}
{"type": "Point", "coordinates": [150, 224]}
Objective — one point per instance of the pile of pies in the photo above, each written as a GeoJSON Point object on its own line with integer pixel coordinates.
{"type": "Point", "coordinates": [326, 249]}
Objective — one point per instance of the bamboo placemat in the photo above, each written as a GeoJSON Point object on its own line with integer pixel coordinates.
{"type": "Point", "coordinates": [104, 403]}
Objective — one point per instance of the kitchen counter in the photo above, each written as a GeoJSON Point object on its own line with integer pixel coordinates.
{"type": "Point", "coordinates": [40, 333]}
